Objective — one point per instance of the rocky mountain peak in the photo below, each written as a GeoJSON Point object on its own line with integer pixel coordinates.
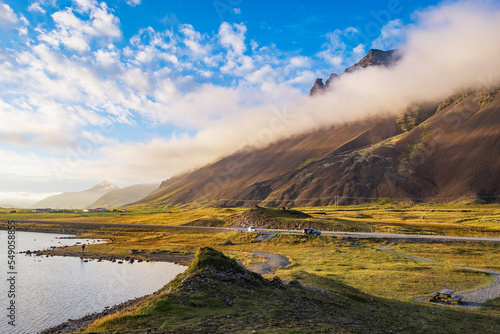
{"type": "Point", "coordinates": [104, 186]}
{"type": "Point", "coordinates": [374, 57]}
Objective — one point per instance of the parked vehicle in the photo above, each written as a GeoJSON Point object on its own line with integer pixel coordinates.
{"type": "Point", "coordinates": [252, 229]}
{"type": "Point", "coordinates": [311, 231]}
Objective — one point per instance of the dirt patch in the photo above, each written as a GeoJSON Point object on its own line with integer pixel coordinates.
{"type": "Point", "coordinates": [273, 262]}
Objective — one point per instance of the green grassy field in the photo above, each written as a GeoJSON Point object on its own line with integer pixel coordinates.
{"type": "Point", "coordinates": [444, 219]}
{"type": "Point", "coordinates": [323, 262]}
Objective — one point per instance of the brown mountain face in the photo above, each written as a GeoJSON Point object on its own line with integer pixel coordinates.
{"type": "Point", "coordinates": [453, 155]}
{"type": "Point", "coordinates": [248, 177]}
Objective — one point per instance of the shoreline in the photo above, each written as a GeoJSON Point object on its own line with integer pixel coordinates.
{"type": "Point", "coordinates": [72, 325]}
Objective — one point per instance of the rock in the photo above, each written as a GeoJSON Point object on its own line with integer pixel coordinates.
{"type": "Point", "coordinates": [317, 87]}
{"type": "Point", "coordinates": [277, 282]}
{"type": "Point", "coordinates": [228, 242]}
{"type": "Point", "coordinates": [295, 284]}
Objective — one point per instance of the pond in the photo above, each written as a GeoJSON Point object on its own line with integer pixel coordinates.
{"type": "Point", "coordinates": [50, 290]}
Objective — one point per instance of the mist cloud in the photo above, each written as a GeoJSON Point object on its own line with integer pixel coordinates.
{"type": "Point", "coordinates": [448, 48]}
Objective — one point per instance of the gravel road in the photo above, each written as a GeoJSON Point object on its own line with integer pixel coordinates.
{"type": "Point", "coordinates": [471, 299]}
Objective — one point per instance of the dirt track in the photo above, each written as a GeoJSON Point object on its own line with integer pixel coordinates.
{"type": "Point", "coordinates": [471, 299]}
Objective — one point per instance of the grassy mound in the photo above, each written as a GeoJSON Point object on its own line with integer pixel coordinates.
{"type": "Point", "coordinates": [209, 266]}
{"type": "Point", "coordinates": [263, 217]}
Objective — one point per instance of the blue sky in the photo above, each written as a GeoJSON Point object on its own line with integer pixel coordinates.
{"type": "Point", "coordinates": [136, 91]}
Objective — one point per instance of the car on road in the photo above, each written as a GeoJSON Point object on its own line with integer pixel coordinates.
{"type": "Point", "coordinates": [311, 231]}
{"type": "Point", "coordinates": [252, 229]}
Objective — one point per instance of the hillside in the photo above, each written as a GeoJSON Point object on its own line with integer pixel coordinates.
{"type": "Point", "coordinates": [120, 197]}
{"type": "Point", "coordinates": [217, 295]}
{"type": "Point", "coordinates": [76, 200]}
{"type": "Point", "coordinates": [247, 177]}
{"type": "Point", "coordinates": [433, 152]}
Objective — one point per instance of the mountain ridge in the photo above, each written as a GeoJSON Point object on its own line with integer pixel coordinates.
{"type": "Point", "coordinates": [375, 57]}
{"type": "Point", "coordinates": [123, 196]}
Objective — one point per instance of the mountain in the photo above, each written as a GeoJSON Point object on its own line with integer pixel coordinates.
{"type": "Point", "coordinates": [8, 206]}
{"type": "Point", "coordinates": [124, 196]}
{"type": "Point", "coordinates": [374, 57]}
{"type": "Point", "coordinates": [77, 200]}
{"type": "Point", "coordinates": [434, 152]}
{"type": "Point", "coordinates": [253, 172]}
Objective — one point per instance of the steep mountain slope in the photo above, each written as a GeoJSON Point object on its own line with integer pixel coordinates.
{"type": "Point", "coordinates": [453, 155]}
{"type": "Point", "coordinates": [124, 196]}
{"type": "Point", "coordinates": [77, 200]}
{"type": "Point", "coordinates": [246, 177]}
{"type": "Point", "coordinates": [434, 152]}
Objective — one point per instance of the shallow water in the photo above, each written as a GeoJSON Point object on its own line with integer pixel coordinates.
{"type": "Point", "coordinates": [50, 290]}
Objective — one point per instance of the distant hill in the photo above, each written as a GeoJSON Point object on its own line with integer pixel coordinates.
{"type": "Point", "coordinates": [437, 152]}
{"type": "Point", "coordinates": [124, 196]}
{"type": "Point", "coordinates": [77, 200]}
{"type": "Point", "coordinates": [7, 206]}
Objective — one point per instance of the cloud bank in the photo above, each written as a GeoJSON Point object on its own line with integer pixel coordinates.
{"type": "Point", "coordinates": [448, 48]}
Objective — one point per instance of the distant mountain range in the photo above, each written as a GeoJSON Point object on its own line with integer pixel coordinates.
{"type": "Point", "coordinates": [437, 152]}
{"type": "Point", "coordinates": [8, 206]}
{"type": "Point", "coordinates": [104, 195]}
{"type": "Point", "coordinates": [77, 200]}
{"type": "Point", "coordinates": [121, 197]}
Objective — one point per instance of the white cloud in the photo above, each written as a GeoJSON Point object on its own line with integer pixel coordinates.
{"type": "Point", "coordinates": [390, 35]}
{"type": "Point", "coordinates": [193, 40]}
{"type": "Point", "coordinates": [77, 34]}
{"type": "Point", "coordinates": [336, 52]}
{"type": "Point", "coordinates": [133, 3]}
{"type": "Point", "coordinates": [35, 7]}
{"type": "Point", "coordinates": [232, 36]}
{"type": "Point", "coordinates": [300, 61]}
{"type": "Point", "coordinates": [8, 18]}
